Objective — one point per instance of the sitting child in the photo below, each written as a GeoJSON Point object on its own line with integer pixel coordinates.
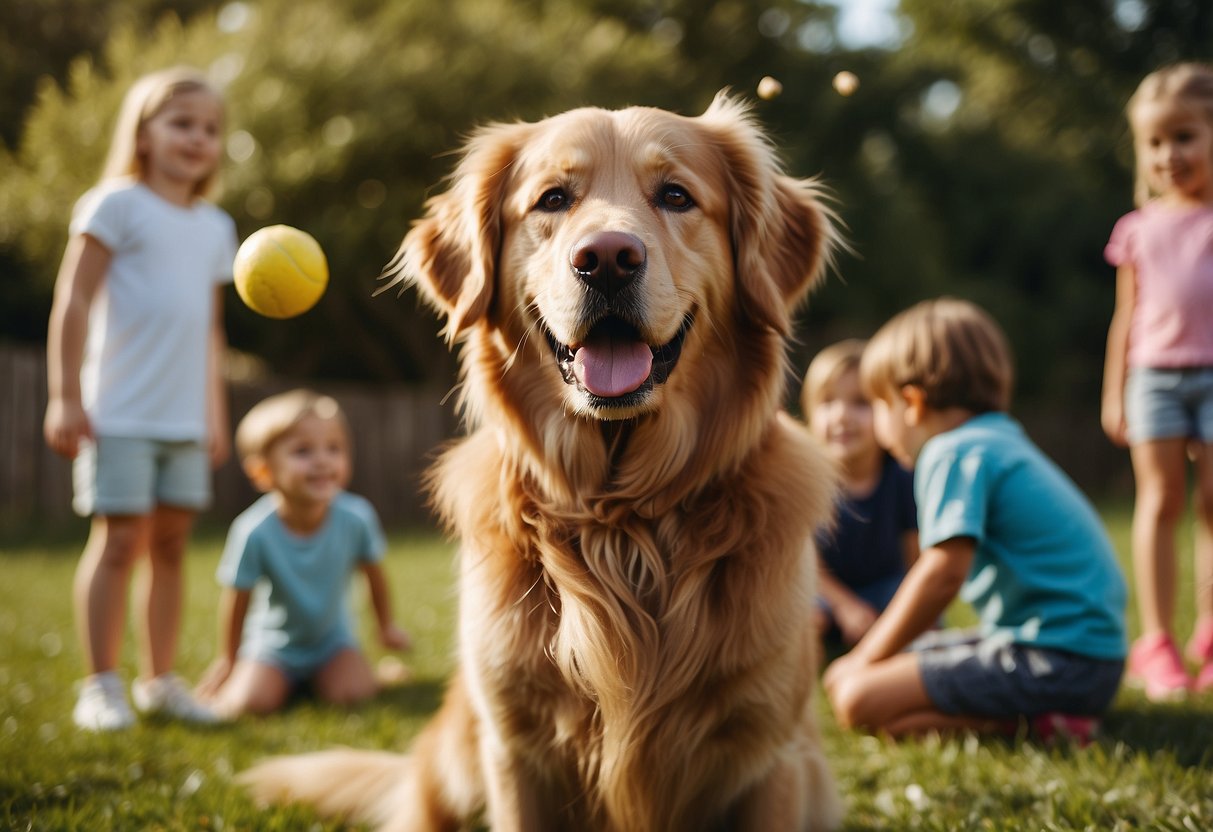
{"type": "Point", "coordinates": [874, 539]}
{"type": "Point", "coordinates": [999, 524]}
{"type": "Point", "coordinates": [287, 563]}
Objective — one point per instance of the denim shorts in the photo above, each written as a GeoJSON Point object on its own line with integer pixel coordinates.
{"type": "Point", "coordinates": [967, 675]}
{"type": "Point", "coordinates": [298, 663]}
{"type": "Point", "coordinates": [115, 475]}
{"type": "Point", "coordinates": [1169, 403]}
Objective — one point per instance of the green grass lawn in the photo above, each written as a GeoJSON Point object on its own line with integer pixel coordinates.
{"type": "Point", "coordinates": [1152, 768]}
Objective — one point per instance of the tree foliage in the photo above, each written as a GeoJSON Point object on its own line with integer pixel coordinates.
{"type": "Point", "coordinates": [342, 118]}
{"type": "Point", "coordinates": [987, 157]}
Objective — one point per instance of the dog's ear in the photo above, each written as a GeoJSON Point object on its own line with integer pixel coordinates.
{"type": "Point", "coordinates": [783, 235]}
{"type": "Point", "coordinates": [450, 254]}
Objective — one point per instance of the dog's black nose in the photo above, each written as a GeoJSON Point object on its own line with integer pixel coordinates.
{"type": "Point", "coordinates": [607, 261]}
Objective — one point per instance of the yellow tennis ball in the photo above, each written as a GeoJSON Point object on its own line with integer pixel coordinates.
{"type": "Point", "coordinates": [280, 271]}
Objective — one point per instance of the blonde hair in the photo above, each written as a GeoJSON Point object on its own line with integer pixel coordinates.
{"type": "Point", "coordinates": [144, 100]}
{"type": "Point", "coordinates": [272, 418]}
{"type": "Point", "coordinates": [950, 348]}
{"type": "Point", "coordinates": [1189, 82]}
{"type": "Point", "coordinates": [829, 365]}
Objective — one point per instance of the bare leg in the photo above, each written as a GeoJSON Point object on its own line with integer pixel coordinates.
{"type": "Point", "coordinates": [159, 590]}
{"type": "Point", "coordinates": [1159, 469]}
{"type": "Point", "coordinates": [346, 679]}
{"type": "Point", "coordinates": [799, 793]}
{"type": "Point", "coordinates": [101, 584]}
{"type": "Point", "coordinates": [253, 688]}
{"type": "Point", "coordinates": [1203, 556]}
{"type": "Point", "coordinates": [881, 694]}
{"type": "Point", "coordinates": [889, 697]}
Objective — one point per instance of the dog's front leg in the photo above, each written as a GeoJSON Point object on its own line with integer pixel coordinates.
{"type": "Point", "coordinates": [798, 793]}
{"type": "Point", "coordinates": [514, 804]}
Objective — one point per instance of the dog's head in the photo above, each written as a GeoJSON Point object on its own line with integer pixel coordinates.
{"type": "Point", "coordinates": [605, 254]}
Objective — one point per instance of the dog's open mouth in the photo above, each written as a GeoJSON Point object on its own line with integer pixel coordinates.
{"type": "Point", "coordinates": [614, 364]}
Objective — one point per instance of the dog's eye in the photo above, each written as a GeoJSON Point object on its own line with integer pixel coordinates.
{"type": "Point", "coordinates": [675, 197]}
{"type": "Point", "coordinates": [553, 199]}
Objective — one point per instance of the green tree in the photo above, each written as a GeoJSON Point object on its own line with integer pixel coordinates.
{"type": "Point", "coordinates": [341, 116]}
{"type": "Point", "coordinates": [1009, 198]}
{"type": "Point", "coordinates": [986, 157]}
{"type": "Point", "coordinates": [39, 39]}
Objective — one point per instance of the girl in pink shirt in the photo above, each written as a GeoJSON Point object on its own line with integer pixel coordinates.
{"type": "Point", "coordinates": [1158, 375]}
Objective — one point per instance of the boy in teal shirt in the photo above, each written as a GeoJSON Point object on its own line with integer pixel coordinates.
{"type": "Point", "coordinates": [1001, 526]}
{"type": "Point", "coordinates": [286, 568]}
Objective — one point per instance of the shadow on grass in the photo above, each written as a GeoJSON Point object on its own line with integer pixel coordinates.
{"type": "Point", "coordinates": [417, 698]}
{"type": "Point", "coordinates": [1179, 730]}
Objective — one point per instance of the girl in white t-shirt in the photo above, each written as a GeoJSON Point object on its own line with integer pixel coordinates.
{"type": "Point", "coordinates": [1158, 378]}
{"type": "Point", "coordinates": [136, 398]}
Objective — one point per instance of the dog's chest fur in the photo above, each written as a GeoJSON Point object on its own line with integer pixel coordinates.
{"type": "Point", "coordinates": [619, 626]}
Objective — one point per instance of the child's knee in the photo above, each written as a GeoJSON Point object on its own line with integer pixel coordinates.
{"type": "Point", "coordinates": [846, 699]}
{"type": "Point", "coordinates": [252, 688]}
{"type": "Point", "coordinates": [1204, 505]}
{"type": "Point", "coordinates": [1161, 503]}
{"type": "Point", "coordinates": [346, 679]}
{"type": "Point", "coordinates": [256, 700]}
{"type": "Point", "coordinates": [122, 540]}
{"type": "Point", "coordinates": [170, 534]}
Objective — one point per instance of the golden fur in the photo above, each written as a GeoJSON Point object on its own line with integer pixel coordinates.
{"type": "Point", "coordinates": [636, 570]}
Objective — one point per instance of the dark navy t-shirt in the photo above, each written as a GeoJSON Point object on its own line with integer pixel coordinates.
{"type": "Point", "coordinates": [864, 545]}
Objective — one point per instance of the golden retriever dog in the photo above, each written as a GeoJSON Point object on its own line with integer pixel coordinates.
{"type": "Point", "coordinates": [636, 514]}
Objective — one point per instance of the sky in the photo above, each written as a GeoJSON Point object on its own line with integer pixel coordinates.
{"type": "Point", "coordinates": [867, 23]}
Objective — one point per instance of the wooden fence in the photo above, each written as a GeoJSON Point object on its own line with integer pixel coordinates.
{"type": "Point", "coordinates": [395, 430]}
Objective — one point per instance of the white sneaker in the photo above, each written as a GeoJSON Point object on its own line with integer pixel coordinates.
{"type": "Point", "coordinates": [167, 694]}
{"type": "Point", "coordinates": [102, 704]}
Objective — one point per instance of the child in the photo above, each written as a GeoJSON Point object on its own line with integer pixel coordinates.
{"type": "Point", "coordinates": [135, 386]}
{"type": "Point", "coordinates": [875, 536]}
{"type": "Point", "coordinates": [288, 561]}
{"type": "Point", "coordinates": [999, 524]}
{"type": "Point", "coordinates": [1158, 377]}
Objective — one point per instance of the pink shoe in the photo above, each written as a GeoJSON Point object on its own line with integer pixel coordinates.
{"type": "Point", "coordinates": [1200, 646]}
{"type": "Point", "coordinates": [1155, 665]}
{"type": "Point", "coordinates": [1204, 679]}
{"type": "Point", "coordinates": [1050, 728]}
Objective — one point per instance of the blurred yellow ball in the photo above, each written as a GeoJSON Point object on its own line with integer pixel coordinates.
{"type": "Point", "coordinates": [846, 82]}
{"type": "Point", "coordinates": [769, 87]}
{"type": "Point", "coordinates": [280, 271]}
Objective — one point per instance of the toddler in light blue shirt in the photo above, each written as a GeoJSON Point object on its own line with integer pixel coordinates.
{"type": "Point", "coordinates": [287, 564]}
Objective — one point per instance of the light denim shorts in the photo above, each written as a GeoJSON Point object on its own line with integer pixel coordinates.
{"type": "Point", "coordinates": [298, 663]}
{"type": "Point", "coordinates": [1169, 403]}
{"type": "Point", "coordinates": [115, 475]}
{"type": "Point", "coordinates": [966, 675]}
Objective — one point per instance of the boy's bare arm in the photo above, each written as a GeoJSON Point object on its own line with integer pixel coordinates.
{"type": "Point", "coordinates": [928, 588]}
{"type": "Point", "coordinates": [233, 607]}
{"type": "Point", "coordinates": [390, 634]}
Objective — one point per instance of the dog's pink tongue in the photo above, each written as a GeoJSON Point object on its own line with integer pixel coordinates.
{"type": "Point", "coordinates": [609, 366]}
